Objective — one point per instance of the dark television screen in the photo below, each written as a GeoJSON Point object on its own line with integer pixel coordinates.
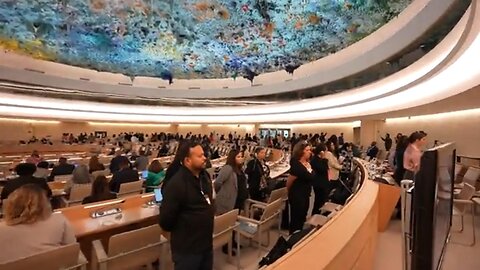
{"type": "Point", "coordinates": [432, 206]}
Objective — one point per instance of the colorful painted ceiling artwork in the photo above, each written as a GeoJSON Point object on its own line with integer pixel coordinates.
{"type": "Point", "coordinates": [187, 39]}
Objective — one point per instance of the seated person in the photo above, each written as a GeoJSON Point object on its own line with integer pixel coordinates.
{"type": "Point", "coordinates": [95, 165]}
{"type": "Point", "coordinates": [163, 150]}
{"type": "Point", "coordinates": [124, 175]}
{"type": "Point", "coordinates": [25, 173]}
{"type": "Point", "coordinates": [155, 176]}
{"type": "Point", "coordinates": [42, 170]}
{"type": "Point", "coordinates": [30, 225]}
{"type": "Point", "coordinates": [114, 163]}
{"type": "Point", "coordinates": [372, 151]}
{"type": "Point", "coordinates": [63, 168]}
{"type": "Point", "coordinates": [100, 191]}
{"type": "Point", "coordinates": [141, 163]}
{"type": "Point", "coordinates": [80, 176]}
{"type": "Point", "coordinates": [34, 158]}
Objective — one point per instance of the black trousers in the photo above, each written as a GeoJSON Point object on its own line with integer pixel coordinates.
{"type": "Point", "coordinates": [321, 196]}
{"type": "Point", "coordinates": [299, 203]}
{"type": "Point", "coordinates": [256, 194]}
{"type": "Point", "coordinates": [198, 261]}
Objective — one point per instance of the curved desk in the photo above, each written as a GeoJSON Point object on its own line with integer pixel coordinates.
{"type": "Point", "coordinates": [345, 242]}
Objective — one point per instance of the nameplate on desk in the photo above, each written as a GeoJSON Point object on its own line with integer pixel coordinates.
{"type": "Point", "coordinates": [104, 213]}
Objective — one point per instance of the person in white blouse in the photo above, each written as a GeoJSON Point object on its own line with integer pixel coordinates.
{"type": "Point", "coordinates": [29, 227]}
{"type": "Point", "coordinates": [334, 165]}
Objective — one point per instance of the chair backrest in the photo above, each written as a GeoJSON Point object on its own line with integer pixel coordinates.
{"type": "Point", "coordinates": [271, 210]}
{"type": "Point", "coordinates": [134, 248]}
{"type": "Point", "coordinates": [96, 174]}
{"type": "Point", "coordinates": [60, 178]}
{"type": "Point", "coordinates": [276, 194]}
{"type": "Point", "coordinates": [466, 193]}
{"type": "Point", "coordinates": [131, 188]}
{"type": "Point", "coordinates": [458, 168]}
{"type": "Point", "coordinates": [472, 175]}
{"type": "Point", "coordinates": [66, 257]}
{"type": "Point", "coordinates": [223, 228]}
{"type": "Point", "coordinates": [78, 193]}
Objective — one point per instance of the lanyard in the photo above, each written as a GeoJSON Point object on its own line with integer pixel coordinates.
{"type": "Point", "coordinates": [203, 193]}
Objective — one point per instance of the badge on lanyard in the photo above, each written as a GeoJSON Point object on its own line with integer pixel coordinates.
{"type": "Point", "coordinates": [206, 198]}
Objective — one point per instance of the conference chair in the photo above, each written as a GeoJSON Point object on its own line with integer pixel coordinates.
{"type": "Point", "coordinates": [471, 177]}
{"type": "Point", "coordinates": [460, 171]}
{"type": "Point", "coordinates": [462, 204]}
{"type": "Point", "coordinates": [131, 188]}
{"type": "Point", "coordinates": [77, 194]}
{"type": "Point", "coordinates": [320, 220]}
{"type": "Point", "coordinates": [96, 174]}
{"type": "Point", "coordinates": [223, 229]}
{"type": "Point", "coordinates": [66, 257]}
{"type": "Point", "coordinates": [154, 154]}
{"type": "Point", "coordinates": [129, 250]}
{"type": "Point", "coordinates": [252, 205]}
{"type": "Point", "coordinates": [61, 178]}
{"type": "Point", "coordinates": [255, 229]}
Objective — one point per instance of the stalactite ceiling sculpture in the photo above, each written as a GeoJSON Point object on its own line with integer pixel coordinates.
{"type": "Point", "coordinates": [189, 39]}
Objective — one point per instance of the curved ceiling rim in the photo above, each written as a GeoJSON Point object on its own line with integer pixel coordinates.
{"type": "Point", "coordinates": [414, 24]}
{"type": "Point", "coordinates": [472, 79]}
{"type": "Point", "coordinates": [458, 28]}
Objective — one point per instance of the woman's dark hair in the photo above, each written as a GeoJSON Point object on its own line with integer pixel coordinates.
{"type": "Point", "coordinates": [100, 186]}
{"type": "Point", "coordinates": [402, 143]}
{"type": "Point", "coordinates": [231, 160]}
{"type": "Point", "coordinates": [259, 149]}
{"type": "Point", "coordinates": [25, 169]}
{"type": "Point", "coordinates": [94, 164]}
{"type": "Point", "coordinates": [155, 166]}
{"type": "Point", "coordinates": [298, 149]}
{"type": "Point", "coordinates": [417, 135]}
{"type": "Point", "coordinates": [43, 165]}
{"type": "Point", "coordinates": [319, 148]}
{"type": "Point", "coordinates": [346, 145]}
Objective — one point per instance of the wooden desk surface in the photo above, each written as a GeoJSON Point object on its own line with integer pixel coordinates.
{"type": "Point", "coordinates": [133, 211]}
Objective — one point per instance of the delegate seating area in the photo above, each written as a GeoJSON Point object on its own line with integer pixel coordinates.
{"type": "Point", "coordinates": [111, 233]}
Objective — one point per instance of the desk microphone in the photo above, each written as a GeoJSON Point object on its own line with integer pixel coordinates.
{"type": "Point", "coordinates": [106, 208]}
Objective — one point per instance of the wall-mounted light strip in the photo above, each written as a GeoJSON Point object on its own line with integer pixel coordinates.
{"type": "Point", "coordinates": [30, 121]}
{"type": "Point", "coordinates": [190, 125]}
{"type": "Point", "coordinates": [232, 126]}
{"type": "Point", "coordinates": [276, 126]}
{"type": "Point", "coordinates": [127, 124]}
{"type": "Point", "coordinates": [340, 124]}
{"type": "Point", "coordinates": [438, 116]}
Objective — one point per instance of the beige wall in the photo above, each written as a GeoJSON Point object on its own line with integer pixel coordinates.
{"type": "Point", "coordinates": [346, 129]}
{"type": "Point", "coordinates": [20, 130]}
{"type": "Point", "coordinates": [463, 128]}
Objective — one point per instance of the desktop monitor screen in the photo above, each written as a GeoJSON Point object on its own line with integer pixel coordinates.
{"type": "Point", "coordinates": [158, 195]}
{"type": "Point", "coordinates": [432, 206]}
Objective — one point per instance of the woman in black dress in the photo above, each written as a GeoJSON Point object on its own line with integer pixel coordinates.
{"type": "Point", "coordinates": [301, 187]}
{"type": "Point", "coordinates": [321, 185]}
{"type": "Point", "coordinates": [258, 173]}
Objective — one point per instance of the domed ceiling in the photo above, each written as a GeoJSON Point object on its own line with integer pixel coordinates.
{"type": "Point", "coordinates": [189, 39]}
